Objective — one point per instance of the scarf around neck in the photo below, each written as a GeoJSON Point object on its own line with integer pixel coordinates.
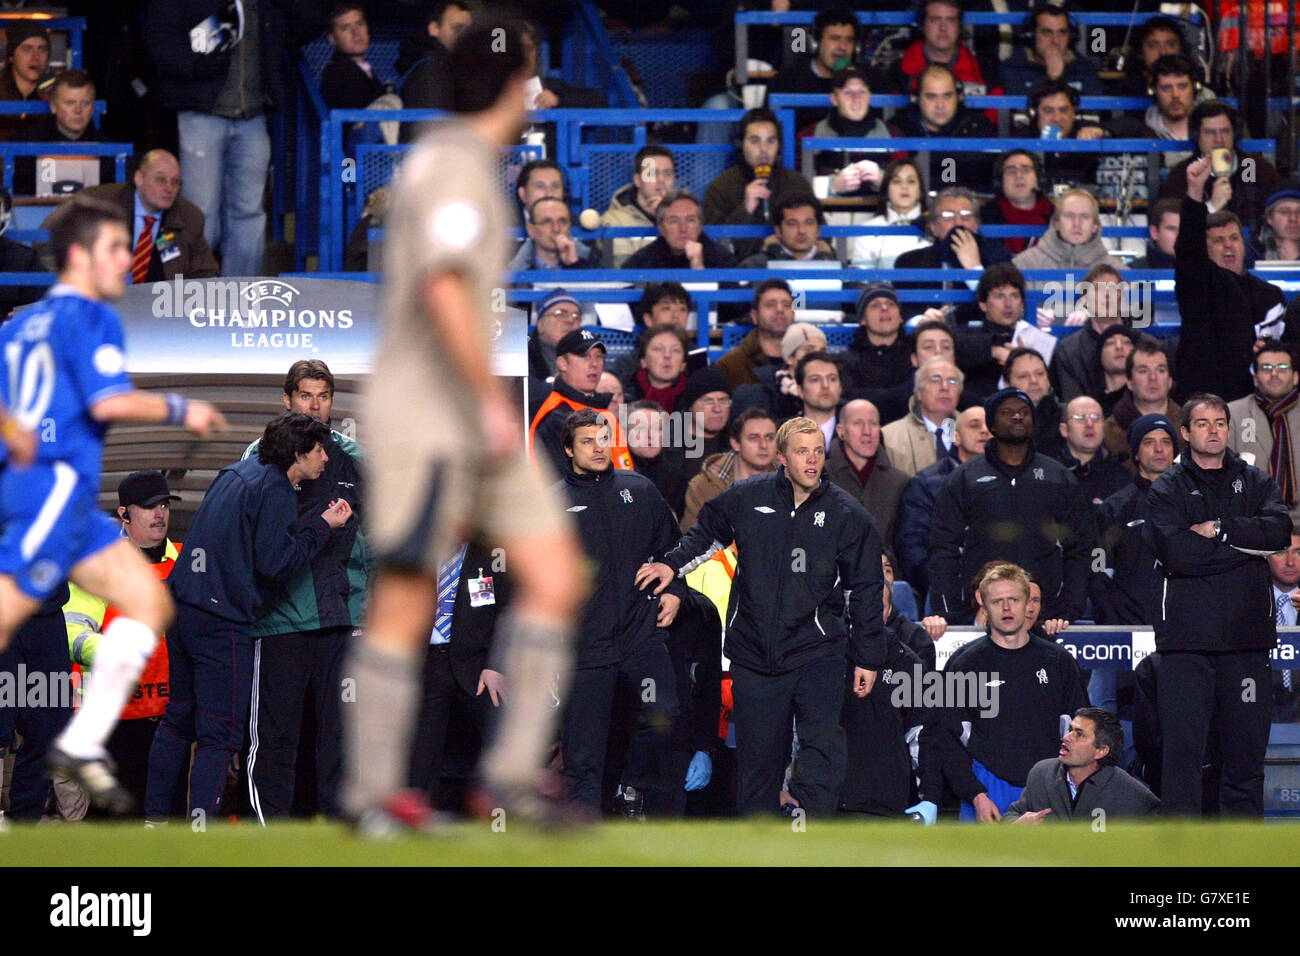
{"type": "Point", "coordinates": [1281, 464]}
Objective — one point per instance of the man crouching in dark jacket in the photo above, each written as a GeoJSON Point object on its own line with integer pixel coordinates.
{"type": "Point", "coordinates": [802, 543]}
{"type": "Point", "coordinates": [1211, 521]}
{"type": "Point", "coordinates": [245, 540]}
{"type": "Point", "coordinates": [622, 520]}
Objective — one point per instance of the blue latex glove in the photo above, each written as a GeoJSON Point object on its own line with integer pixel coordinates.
{"type": "Point", "coordinates": [928, 811]}
{"type": "Point", "coordinates": [700, 772]}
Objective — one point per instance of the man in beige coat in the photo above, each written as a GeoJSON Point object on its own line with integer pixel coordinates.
{"type": "Point", "coordinates": [912, 441]}
{"type": "Point", "coordinates": [1269, 415]}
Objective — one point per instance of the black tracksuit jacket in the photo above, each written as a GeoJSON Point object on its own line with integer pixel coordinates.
{"type": "Point", "coordinates": [623, 522]}
{"type": "Point", "coordinates": [1132, 596]}
{"type": "Point", "coordinates": [1215, 597]}
{"type": "Point", "coordinates": [787, 606]}
{"type": "Point", "coordinates": [1033, 515]}
{"type": "Point", "coordinates": [882, 736]}
{"type": "Point", "coordinates": [1040, 683]}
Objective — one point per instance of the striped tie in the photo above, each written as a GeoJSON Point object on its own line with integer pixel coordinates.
{"type": "Point", "coordinates": [1282, 601]}
{"type": "Point", "coordinates": [448, 578]}
{"type": "Point", "coordinates": [143, 246]}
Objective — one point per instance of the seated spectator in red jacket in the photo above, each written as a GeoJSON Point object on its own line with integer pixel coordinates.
{"type": "Point", "coordinates": [349, 81]}
{"type": "Point", "coordinates": [72, 107]}
{"type": "Point", "coordinates": [1019, 181]}
{"type": "Point", "coordinates": [27, 58]}
{"type": "Point", "coordinates": [941, 24]}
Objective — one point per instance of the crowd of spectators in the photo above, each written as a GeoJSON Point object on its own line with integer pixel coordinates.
{"type": "Point", "coordinates": [991, 456]}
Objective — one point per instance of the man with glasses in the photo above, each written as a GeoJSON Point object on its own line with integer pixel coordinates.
{"type": "Point", "coordinates": [927, 433]}
{"type": "Point", "coordinates": [681, 243]}
{"type": "Point", "coordinates": [549, 244]}
{"type": "Point", "coordinates": [954, 224]}
{"type": "Point", "coordinates": [1264, 422]}
{"type": "Point", "coordinates": [1099, 473]}
{"type": "Point", "coordinates": [166, 229]}
{"type": "Point", "coordinates": [1010, 504]}
{"type": "Point", "coordinates": [557, 315]}
{"type": "Point", "coordinates": [1280, 237]}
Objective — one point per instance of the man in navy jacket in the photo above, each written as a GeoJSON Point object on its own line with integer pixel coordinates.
{"type": "Point", "coordinates": [246, 538]}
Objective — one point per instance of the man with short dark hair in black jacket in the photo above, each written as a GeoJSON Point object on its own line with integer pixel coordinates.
{"type": "Point", "coordinates": [803, 543]}
{"type": "Point", "coordinates": [246, 538]}
{"type": "Point", "coordinates": [1211, 520]}
{"type": "Point", "coordinates": [1011, 504]}
{"type": "Point", "coordinates": [622, 519]}
{"type": "Point", "coordinates": [1225, 310]}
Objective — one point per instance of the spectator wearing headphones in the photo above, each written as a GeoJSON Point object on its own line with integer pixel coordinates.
{"type": "Point", "coordinates": [1019, 183]}
{"type": "Point", "coordinates": [1242, 182]}
{"type": "Point", "coordinates": [940, 43]}
{"type": "Point", "coordinates": [1053, 113]}
{"type": "Point", "coordinates": [938, 111]}
{"type": "Point", "coordinates": [1046, 54]}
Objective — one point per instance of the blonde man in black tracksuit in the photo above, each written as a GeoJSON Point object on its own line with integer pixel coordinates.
{"type": "Point", "coordinates": [803, 543]}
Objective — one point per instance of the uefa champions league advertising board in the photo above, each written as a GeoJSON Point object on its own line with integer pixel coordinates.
{"type": "Point", "coordinates": [254, 325]}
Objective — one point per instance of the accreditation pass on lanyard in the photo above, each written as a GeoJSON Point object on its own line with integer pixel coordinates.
{"type": "Point", "coordinates": [480, 591]}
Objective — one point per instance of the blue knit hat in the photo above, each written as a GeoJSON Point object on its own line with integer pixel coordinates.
{"type": "Point", "coordinates": [1138, 430]}
{"type": "Point", "coordinates": [1001, 395]}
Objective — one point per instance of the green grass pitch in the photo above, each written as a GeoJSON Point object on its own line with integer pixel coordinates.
{"type": "Point", "coordinates": [663, 844]}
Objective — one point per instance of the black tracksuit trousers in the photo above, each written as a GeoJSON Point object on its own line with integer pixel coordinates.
{"type": "Point", "coordinates": [647, 678]}
{"type": "Point", "coordinates": [291, 668]}
{"type": "Point", "coordinates": [1234, 691]}
{"type": "Point", "coordinates": [811, 696]}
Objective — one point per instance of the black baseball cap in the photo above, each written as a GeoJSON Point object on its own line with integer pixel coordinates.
{"type": "Point", "coordinates": [144, 489]}
{"type": "Point", "coordinates": [579, 342]}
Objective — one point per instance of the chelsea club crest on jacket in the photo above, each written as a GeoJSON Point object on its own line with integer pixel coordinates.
{"type": "Point", "coordinates": [788, 605]}
{"type": "Point", "coordinates": [622, 521]}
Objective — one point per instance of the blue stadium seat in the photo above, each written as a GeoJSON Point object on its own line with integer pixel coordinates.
{"type": "Point", "coordinates": [617, 341]}
{"type": "Point", "coordinates": [838, 337]}
{"type": "Point", "coordinates": [905, 600]}
{"type": "Point", "coordinates": [382, 55]}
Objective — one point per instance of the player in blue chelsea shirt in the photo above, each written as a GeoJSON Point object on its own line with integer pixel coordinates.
{"type": "Point", "coordinates": [64, 379]}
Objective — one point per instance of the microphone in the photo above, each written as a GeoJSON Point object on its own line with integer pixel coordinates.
{"type": "Point", "coordinates": [763, 171]}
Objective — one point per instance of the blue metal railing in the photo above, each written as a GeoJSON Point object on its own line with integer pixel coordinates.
{"type": "Point", "coordinates": [569, 125]}
{"type": "Point", "coordinates": [119, 152]}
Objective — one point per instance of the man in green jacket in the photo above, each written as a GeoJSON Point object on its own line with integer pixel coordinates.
{"type": "Point", "coordinates": [304, 634]}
